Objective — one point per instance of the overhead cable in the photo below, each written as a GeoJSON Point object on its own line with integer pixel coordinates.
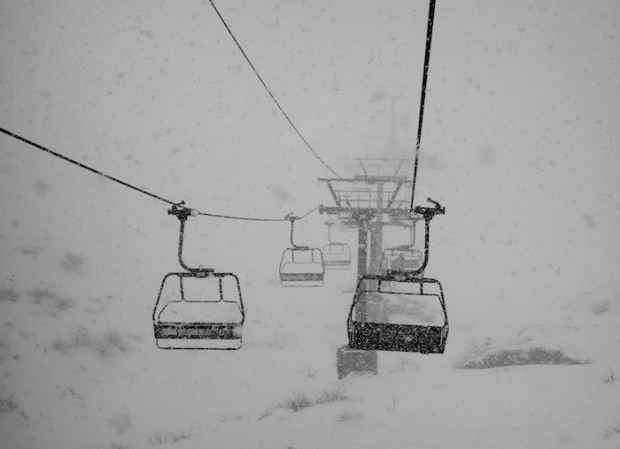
{"type": "Point", "coordinates": [126, 184]}
{"type": "Point", "coordinates": [260, 78]}
{"type": "Point", "coordinates": [232, 217]}
{"type": "Point", "coordinates": [84, 166]}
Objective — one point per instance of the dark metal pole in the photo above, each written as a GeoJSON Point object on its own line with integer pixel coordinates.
{"type": "Point", "coordinates": [362, 248]}
{"type": "Point", "coordinates": [427, 58]}
{"type": "Point", "coordinates": [376, 235]}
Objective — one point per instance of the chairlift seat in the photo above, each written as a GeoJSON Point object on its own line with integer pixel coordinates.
{"type": "Point", "coordinates": [194, 311]}
{"type": "Point", "coordinates": [398, 315]}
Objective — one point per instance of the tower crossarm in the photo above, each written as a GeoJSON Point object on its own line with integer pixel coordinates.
{"type": "Point", "coordinates": [393, 196]}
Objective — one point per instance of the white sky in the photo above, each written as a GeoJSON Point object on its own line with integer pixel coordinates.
{"type": "Point", "coordinates": [520, 145]}
{"type": "Point", "coordinates": [520, 138]}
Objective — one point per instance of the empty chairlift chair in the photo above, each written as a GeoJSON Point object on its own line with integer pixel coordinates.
{"type": "Point", "coordinates": [396, 315]}
{"type": "Point", "coordinates": [400, 311]}
{"type": "Point", "coordinates": [199, 308]}
{"type": "Point", "coordinates": [301, 266]}
{"type": "Point", "coordinates": [335, 255]}
{"type": "Point", "coordinates": [403, 258]}
{"type": "Point", "coordinates": [199, 311]}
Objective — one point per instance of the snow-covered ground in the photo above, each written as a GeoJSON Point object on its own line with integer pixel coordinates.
{"type": "Point", "coordinates": [520, 144]}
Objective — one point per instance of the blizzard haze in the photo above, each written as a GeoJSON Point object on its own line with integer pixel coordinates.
{"type": "Point", "coordinates": [520, 144]}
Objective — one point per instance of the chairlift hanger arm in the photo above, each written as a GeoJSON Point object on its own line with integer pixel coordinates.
{"type": "Point", "coordinates": [329, 233]}
{"type": "Point", "coordinates": [411, 238]}
{"type": "Point", "coordinates": [182, 213]}
{"type": "Point", "coordinates": [292, 218]}
{"type": "Point", "coordinates": [428, 213]}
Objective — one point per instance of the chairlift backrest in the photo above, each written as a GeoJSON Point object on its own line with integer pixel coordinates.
{"type": "Point", "coordinates": [305, 255]}
{"type": "Point", "coordinates": [335, 248]}
{"type": "Point", "coordinates": [402, 306]}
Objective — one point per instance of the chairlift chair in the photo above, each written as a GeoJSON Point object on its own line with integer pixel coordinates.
{"type": "Point", "coordinates": [198, 308]}
{"type": "Point", "coordinates": [336, 255]}
{"type": "Point", "coordinates": [301, 266]}
{"type": "Point", "coordinates": [400, 311]}
{"type": "Point", "coordinates": [402, 258]}
{"type": "Point", "coordinates": [390, 314]}
{"type": "Point", "coordinates": [192, 312]}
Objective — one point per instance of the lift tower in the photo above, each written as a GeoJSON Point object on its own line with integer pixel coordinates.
{"type": "Point", "coordinates": [377, 196]}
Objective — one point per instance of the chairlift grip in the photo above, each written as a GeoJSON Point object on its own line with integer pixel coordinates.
{"type": "Point", "coordinates": [180, 211]}
{"type": "Point", "coordinates": [429, 212]}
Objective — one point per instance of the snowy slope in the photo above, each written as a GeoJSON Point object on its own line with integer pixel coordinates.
{"type": "Point", "coordinates": [520, 145]}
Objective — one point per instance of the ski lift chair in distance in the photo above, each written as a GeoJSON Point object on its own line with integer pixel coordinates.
{"type": "Point", "coordinates": [301, 266]}
{"type": "Point", "coordinates": [402, 258]}
{"type": "Point", "coordinates": [335, 255]}
{"type": "Point", "coordinates": [198, 308]}
{"type": "Point", "coordinates": [399, 311]}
